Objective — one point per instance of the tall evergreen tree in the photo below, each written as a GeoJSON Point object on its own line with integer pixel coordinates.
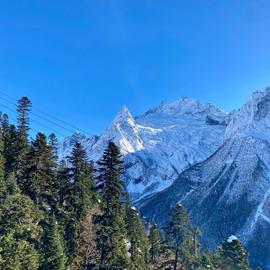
{"type": "Point", "coordinates": [154, 241]}
{"type": "Point", "coordinates": [39, 176]}
{"type": "Point", "coordinates": [24, 108]}
{"type": "Point", "coordinates": [5, 128]}
{"type": "Point", "coordinates": [22, 146]}
{"type": "Point", "coordinates": [80, 194]}
{"type": "Point", "coordinates": [10, 148]}
{"type": "Point", "coordinates": [5, 123]}
{"type": "Point", "coordinates": [2, 167]}
{"type": "Point", "coordinates": [139, 247]}
{"type": "Point", "coordinates": [39, 182]}
{"type": "Point", "coordinates": [196, 233]}
{"type": "Point", "coordinates": [179, 238]}
{"type": "Point", "coordinates": [56, 258]}
{"type": "Point", "coordinates": [64, 186]}
{"type": "Point", "coordinates": [53, 142]}
{"type": "Point", "coordinates": [112, 238]}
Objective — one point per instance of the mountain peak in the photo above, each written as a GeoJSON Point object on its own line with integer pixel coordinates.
{"type": "Point", "coordinates": [123, 115]}
{"type": "Point", "coordinates": [253, 118]}
{"type": "Point", "coordinates": [124, 109]}
{"type": "Point", "coordinates": [187, 107]}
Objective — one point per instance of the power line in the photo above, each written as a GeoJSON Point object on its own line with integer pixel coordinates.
{"type": "Point", "coordinates": [34, 121]}
{"type": "Point", "coordinates": [51, 116]}
{"type": "Point", "coordinates": [41, 117]}
{"type": "Point", "coordinates": [14, 120]}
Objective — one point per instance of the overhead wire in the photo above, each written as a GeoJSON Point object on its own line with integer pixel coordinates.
{"type": "Point", "coordinates": [34, 121]}
{"type": "Point", "coordinates": [14, 120]}
{"type": "Point", "coordinates": [73, 130]}
{"type": "Point", "coordinates": [43, 118]}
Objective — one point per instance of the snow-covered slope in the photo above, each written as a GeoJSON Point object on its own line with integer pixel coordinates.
{"type": "Point", "coordinates": [229, 193]}
{"type": "Point", "coordinates": [158, 145]}
{"type": "Point", "coordinates": [65, 147]}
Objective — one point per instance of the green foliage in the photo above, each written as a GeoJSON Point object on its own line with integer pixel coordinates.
{"type": "Point", "coordinates": [22, 146]}
{"type": "Point", "coordinates": [2, 168]}
{"type": "Point", "coordinates": [233, 255]}
{"type": "Point", "coordinates": [86, 256]}
{"type": "Point", "coordinates": [154, 242]}
{"type": "Point", "coordinates": [53, 142]}
{"type": "Point", "coordinates": [82, 178]}
{"type": "Point", "coordinates": [18, 254]}
{"type": "Point", "coordinates": [207, 261]}
{"type": "Point", "coordinates": [182, 239]}
{"type": "Point", "coordinates": [20, 233]}
{"type": "Point", "coordinates": [39, 175]}
{"type": "Point", "coordinates": [138, 242]}
{"type": "Point", "coordinates": [112, 241]}
{"type": "Point", "coordinates": [56, 258]}
{"type": "Point", "coordinates": [10, 147]}
{"type": "Point", "coordinates": [58, 217]}
{"type": "Point", "coordinates": [11, 185]}
{"type": "Point", "coordinates": [79, 196]}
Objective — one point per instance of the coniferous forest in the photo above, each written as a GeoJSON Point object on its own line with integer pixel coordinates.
{"type": "Point", "coordinates": [73, 214]}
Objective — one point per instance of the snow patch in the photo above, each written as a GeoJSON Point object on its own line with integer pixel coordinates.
{"type": "Point", "coordinates": [232, 238]}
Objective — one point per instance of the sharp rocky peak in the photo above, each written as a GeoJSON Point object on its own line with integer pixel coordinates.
{"type": "Point", "coordinates": [253, 118]}
{"type": "Point", "coordinates": [123, 115]}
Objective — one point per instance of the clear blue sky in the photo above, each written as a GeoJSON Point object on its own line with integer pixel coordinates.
{"type": "Point", "coordinates": [82, 60]}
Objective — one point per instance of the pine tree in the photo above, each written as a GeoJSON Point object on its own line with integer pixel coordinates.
{"type": "Point", "coordinates": [196, 232]}
{"type": "Point", "coordinates": [39, 182]}
{"type": "Point", "coordinates": [22, 147]}
{"type": "Point", "coordinates": [139, 247]}
{"type": "Point", "coordinates": [56, 258]}
{"type": "Point", "coordinates": [80, 195]}
{"type": "Point", "coordinates": [179, 238]}
{"type": "Point", "coordinates": [2, 168]}
{"type": "Point", "coordinates": [6, 135]}
{"type": "Point", "coordinates": [39, 176]}
{"type": "Point", "coordinates": [24, 108]}
{"type": "Point", "coordinates": [233, 255]}
{"type": "Point", "coordinates": [10, 148]}
{"type": "Point", "coordinates": [154, 241]}
{"type": "Point", "coordinates": [111, 238]}
{"type": "Point", "coordinates": [81, 173]}
{"type": "Point", "coordinates": [5, 123]}
{"type": "Point", "coordinates": [64, 186]}
{"type": "Point", "coordinates": [53, 142]}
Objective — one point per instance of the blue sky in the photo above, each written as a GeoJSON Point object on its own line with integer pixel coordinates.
{"type": "Point", "coordinates": [82, 60]}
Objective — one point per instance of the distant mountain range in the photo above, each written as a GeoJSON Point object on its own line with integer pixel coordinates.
{"type": "Point", "coordinates": [216, 164]}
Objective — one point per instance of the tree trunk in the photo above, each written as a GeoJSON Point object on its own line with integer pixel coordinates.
{"type": "Point", "coordinates": [175, 260]}
{"type": "Point", "coordinates": [195, 249]}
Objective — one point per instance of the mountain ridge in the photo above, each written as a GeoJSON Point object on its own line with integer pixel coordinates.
{"type": "Point", "coordinates": [157, 145]}
{"type": "Point", "coordinates": [229, 192]}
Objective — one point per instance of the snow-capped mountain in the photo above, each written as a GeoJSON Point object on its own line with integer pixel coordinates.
{"type": "Point", "coordinates": [229, 192]}
{"type": "Point", "coordinates": [159, 144]}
